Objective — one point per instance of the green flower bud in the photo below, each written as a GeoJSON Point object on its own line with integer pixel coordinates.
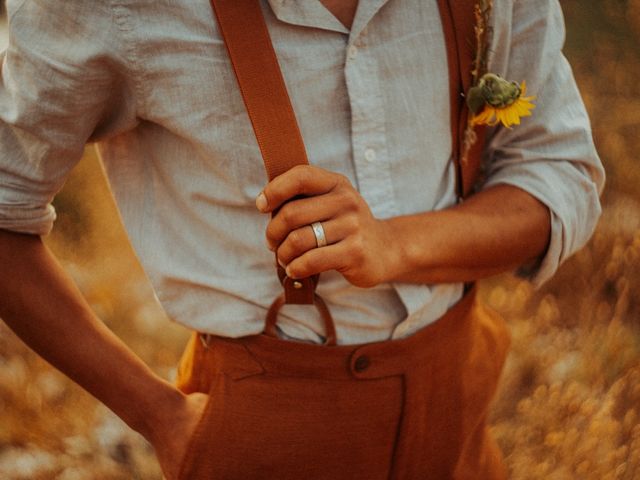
{"type": "Point", "coordinates": [475, 99]}
{"type": "Point", "coordinates": [498, 92]}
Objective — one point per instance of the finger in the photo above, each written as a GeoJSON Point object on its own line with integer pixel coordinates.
{"type": "Point", "coordinates": [318, 260]}
{"type": "Point", "coordinates": [303, 239]}
{"type": "Point", "coordinates": [299, 213]}
{"type": "Point", "coordinates": [302, 180]}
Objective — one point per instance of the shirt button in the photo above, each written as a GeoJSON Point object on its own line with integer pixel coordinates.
{"type": "Point", "coordinates": [362, 363]}
{"type": "Point", "coordinates": [352, 52]}
{"type": "Point", "coordinates": [370, 155]}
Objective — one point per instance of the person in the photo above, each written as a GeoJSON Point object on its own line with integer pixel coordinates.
{"type": "Point", "coordinates": [152, 85]}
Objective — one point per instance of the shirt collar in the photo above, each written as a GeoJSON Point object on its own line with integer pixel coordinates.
{"type": "Point", "coordinates": [312, 13]}
{"type": "Point", "coordinates": [307, 13]}
{"type": "Point", "coordinates": [367, 9]}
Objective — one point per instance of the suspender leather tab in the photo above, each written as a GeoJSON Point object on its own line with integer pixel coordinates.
{"type": "Point", "coordinates": [298, 291]}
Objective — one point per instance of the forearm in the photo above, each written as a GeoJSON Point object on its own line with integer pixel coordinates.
{"type": "Point", "coordinates": [42, 305]}
{"type": "Point", "coordinates": [493, 231]}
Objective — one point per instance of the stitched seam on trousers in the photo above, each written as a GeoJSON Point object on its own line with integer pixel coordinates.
{"type": "Point", "coordinates": [255, 359]}
{"type": "Point", "coordinates": [400, 428]}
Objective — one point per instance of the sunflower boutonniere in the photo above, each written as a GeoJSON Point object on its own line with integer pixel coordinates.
{"type": "Point", "coordinates": [495, 100]}
{"type": "Point", "coordinates": [492, 99]}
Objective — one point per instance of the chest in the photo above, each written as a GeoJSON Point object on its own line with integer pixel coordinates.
{"type": "Point", "coordinates": [343, 10]}
{"type": "Point", "coordinates": [374, 107]}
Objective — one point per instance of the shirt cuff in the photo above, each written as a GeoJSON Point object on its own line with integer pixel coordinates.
{"type": "Point", "coordinates": [573, 201]}
{"type": "Point", "coordinates": [542, 270]}
{"type": "Point", "coordinates": [23, 219]}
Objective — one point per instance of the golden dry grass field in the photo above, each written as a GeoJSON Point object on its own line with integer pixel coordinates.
{"type": "Point", "coordinates": [569, 402]}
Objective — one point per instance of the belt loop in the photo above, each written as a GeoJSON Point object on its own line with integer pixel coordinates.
{"type": "Point", "coordinates": [205, 340]}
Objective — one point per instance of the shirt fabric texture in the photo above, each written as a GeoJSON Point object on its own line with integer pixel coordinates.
{"type": "Point", "coordinates": [151, 83]}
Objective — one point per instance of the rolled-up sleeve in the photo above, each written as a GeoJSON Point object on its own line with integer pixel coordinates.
{"type": "Point", "coordinates": [551, 155]}
{"type": "Point", "coordinates": [62, 83]}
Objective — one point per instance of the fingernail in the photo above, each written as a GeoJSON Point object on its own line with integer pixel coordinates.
{"type": "Point", "coordinates": [282, 264]}
{"type": "Point", "coordinates": [266, 242]}
{"type": "Point", "coordinates": [288, 272]}
{"type": "Point", "coordinates": [261, 202]}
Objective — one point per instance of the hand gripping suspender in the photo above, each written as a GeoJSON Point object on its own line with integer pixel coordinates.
{"type": "Point", "coordinates": [274, 122]}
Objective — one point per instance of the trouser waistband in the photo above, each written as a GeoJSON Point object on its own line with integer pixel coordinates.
{"type": "Point", "coordinates": [261, 353]}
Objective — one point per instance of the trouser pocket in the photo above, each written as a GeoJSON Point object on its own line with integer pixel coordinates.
{"type": "Point", "coordinates": [190, 458]}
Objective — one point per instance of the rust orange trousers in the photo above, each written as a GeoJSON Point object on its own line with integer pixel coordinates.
{"type": "Point", "coordinates": [413, 408]}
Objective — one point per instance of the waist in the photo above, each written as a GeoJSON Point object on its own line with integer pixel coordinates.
{"type": "Point", "coordinates": [261, 353]}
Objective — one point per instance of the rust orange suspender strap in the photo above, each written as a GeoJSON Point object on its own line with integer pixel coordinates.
{"type": "Point", "coordinates": [264, 92]}
{"type": "Point", "coordinates": [263, 89]}
{"type": "Point", "coordinates": [274, 122]}
{"type": "Point", "coordinates": [265, 96]}
{"type": "Point", "coordinates": [458, 23]}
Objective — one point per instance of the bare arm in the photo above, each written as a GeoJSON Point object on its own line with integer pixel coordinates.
{"type": "Point", "coordinates": [42, 305]}
{"type": "Point", "coordinates": [496, 230]}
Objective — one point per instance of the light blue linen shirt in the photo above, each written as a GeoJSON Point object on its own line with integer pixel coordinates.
{"type": "Point", "coordinates": [151, 83]}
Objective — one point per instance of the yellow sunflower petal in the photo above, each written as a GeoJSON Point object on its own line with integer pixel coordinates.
{"type": "Point", "coordinates": [523, 95]}
{"type": "Point", "coordinates": [485, 117]}
{"type": "Point", "coordinates": [494, 119]}
{"type": "Point", "coordinates": [523, 108]}
{"type": "Point", "coordinates": [506, 118]}
{"type": "Point", "coordinates": [514, 117]}
{"type": "Point", "coordinates": [520, 110]}
{"type": "Point", "coordinates": [502, 117]}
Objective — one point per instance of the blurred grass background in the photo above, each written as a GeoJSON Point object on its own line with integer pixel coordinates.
{"type": "Point", "coordinates": [570, 396]}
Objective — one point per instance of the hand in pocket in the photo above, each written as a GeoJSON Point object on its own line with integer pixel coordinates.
{"type": "Point", "coordinates": [172, 437]}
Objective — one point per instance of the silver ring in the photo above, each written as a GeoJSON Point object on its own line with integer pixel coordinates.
{"type": "Point", "coordinates": [318, 231]}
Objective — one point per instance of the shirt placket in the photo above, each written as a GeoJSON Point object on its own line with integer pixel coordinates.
{"type": "Point", "coordinates": [368, 134]}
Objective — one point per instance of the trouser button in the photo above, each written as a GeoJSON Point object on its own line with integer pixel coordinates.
{"type": "Point", "coordinates": [361, 363]}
